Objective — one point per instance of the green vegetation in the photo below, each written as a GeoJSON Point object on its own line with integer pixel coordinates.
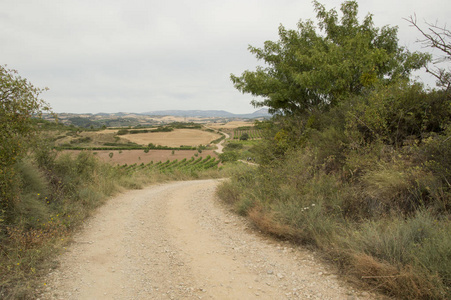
{"type": "Point", "coordinates": [19, 102]}
{"type": "Point", "coordinates": [184, 168]}
{"type": "Point", "coordinates": [238, 150]}
{"type": "Point", "coordinates": [83, 122]}
{"type": "Point", "coordinates": [87, 123]}
{"type": "Point", "coordinates": [217, 141]}
{"type": "Point", "coordinates": [357, 161]}
{"type": "Point", "coordinates": [246, 133]}
{"type": "Point", "coordinates": [117, 146]}
{"type": "Point", "coordinates": [122, 132]}
{"type": "Point", "coordinates": [309, 70]}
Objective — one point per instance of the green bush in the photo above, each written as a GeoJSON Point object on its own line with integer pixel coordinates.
{"type": "Point", "coordinates": [233, 146]}
{"type": "Point", "coordinates": [229, 156]}
{"type": "Point", "coordinates": [396, 114]}
{"type": "Point", "coordinates": [19, 104]}
{"type": "Point", "coordinates": [122, 132]}
{"type": "Point", "coordinates": [244, 137]}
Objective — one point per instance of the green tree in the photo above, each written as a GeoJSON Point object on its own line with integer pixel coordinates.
{"type": "Point", "coordinates": [122, 132]}
{"type": "Point", "coordinates": [19, 104]}
{"type": "Point", "coordinates": [244, 137]}
{"type": "Point", "coordinates": [307, 69]}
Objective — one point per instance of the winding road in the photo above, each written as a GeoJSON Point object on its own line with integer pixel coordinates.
{"type": "Point", "coordinates": [177, 241]}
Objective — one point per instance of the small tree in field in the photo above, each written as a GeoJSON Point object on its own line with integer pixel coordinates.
{"type": "Point", "coordinates": [244, 137]}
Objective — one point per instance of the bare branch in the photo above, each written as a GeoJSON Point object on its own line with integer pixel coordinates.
{"type": "Point", "coordinates": [438, 37]}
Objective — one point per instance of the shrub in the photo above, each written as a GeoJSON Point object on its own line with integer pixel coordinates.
{"type": "Point", "coordinates": [229, 156]}
{"type": "Point", "coordinates": [233, 146]}
{"type": "Point", "coordinates": [244, 137]}
{"type": "Point", "coordinates": [397, 113]}
{"type": "Point", "coordinates": [19, 104]}
{"type": "Point", "coordinates": [122, 132]}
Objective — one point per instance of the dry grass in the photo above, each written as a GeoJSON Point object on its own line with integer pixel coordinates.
{"type": "Point", "coordinates": [403, 282]}
{"type": "Point", "coordinates": [176, 138]}
{"type": "Point", "coordinates": [266, 222]}
{"type": "Point", "coordinates": [97, 137]}
{"type": "Point", "coordinates": [231, 125]}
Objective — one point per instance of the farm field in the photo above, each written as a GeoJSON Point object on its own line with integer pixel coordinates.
{"type": "Point", "coordinates": [251, 132]}
{"type": "Point", "coordinates": [94, 137]}
{"type": "Point", "coordinates": [230, 125]}
{"type": "Point", "coordinates": [139, 156]}
{"type": "Point", "coordinates": [176, 138]}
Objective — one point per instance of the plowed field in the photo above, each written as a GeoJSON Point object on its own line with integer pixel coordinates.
{"type": "Point", "coordinates": [176, 138]}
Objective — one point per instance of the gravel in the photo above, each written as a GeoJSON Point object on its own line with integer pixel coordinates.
{"type": "Point", "coordinates": [176, 241]}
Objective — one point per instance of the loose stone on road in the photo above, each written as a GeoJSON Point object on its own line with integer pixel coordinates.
{"type": "Point", "coordinates": [176, 241]}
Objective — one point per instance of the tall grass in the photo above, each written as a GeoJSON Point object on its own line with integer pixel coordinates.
{"type": "Point", "coordinates": [384, 221]}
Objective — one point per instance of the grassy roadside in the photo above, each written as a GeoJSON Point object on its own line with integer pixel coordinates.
{"type": "Point", "coordinates": [366, 183]}
{"type": "Point", "coordinates": [56, 193]}
{"type": "Point", "coordinates": [387, 228]}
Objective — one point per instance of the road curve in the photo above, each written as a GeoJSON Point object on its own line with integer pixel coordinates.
{"type": "Point", "coordinates": [175, 241]}
{"type": "Point", "coordinates": [220, 145]}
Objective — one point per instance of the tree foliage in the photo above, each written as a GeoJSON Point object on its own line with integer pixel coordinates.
{"type": "Point", "coordinates": [244, 137]}
{"type": "Point", "coordinates": [309, 69]}
{"type": "Point", "coordinates": [19, 103]}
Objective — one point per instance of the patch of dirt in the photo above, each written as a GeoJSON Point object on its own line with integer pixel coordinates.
{"type": "Point", "coordinates": [176, 138]}
{"type": "Point", "coordinates": [175, 241]}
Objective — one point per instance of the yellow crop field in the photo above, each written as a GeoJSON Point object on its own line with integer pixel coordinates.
{"type": "Point", "coordinates": [176, 138]}
{"type": "Point", "coordinates": [231, 125]}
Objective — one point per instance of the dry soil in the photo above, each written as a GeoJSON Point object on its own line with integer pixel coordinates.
{"type": "Point", "coordinates": [175, 138]}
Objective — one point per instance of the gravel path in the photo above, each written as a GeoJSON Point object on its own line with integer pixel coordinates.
{"type": "Point", "coordinates": [220, 145]}
{"type": "Point", "coordinates": [175, 241]}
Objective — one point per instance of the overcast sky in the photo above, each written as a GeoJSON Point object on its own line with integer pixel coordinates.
{"type": "Point", "coordinates": [144, 55]}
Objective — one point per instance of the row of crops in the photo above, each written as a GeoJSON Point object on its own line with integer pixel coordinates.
{"type": "Point", "coordinates": [252, 133]}
{"type": "Point", "coordinates": [184, 165]}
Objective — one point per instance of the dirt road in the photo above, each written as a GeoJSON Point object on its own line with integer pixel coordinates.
{"type": "Point", "coordinates": [220, 145]}
{"type": "Point", "coordinates": [175, 241]}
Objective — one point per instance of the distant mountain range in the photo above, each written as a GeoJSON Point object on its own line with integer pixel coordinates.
{"type": "Point", "coordinates": [208, 113]}
{"type": "Point", "coordinates": [122, 119]}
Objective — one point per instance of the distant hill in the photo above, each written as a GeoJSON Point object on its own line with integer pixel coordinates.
{"type": "Point", "coordinates": [208, 113]}
{"type": "Point", "coordinates": [151, 118]}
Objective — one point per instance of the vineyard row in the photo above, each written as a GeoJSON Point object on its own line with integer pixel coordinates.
{"type": "Point", "coordinates": [184, 165]}
{"type": "Point", "coordinates": [252, 134]}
